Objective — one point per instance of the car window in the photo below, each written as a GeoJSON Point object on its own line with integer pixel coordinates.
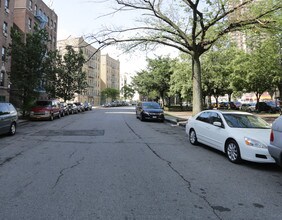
{"type": "Point", "coordinates": [4, 109]}
{"type": "Point", "coordinates": [204, 117]}
{"type": "Point", "coordinates": [214, 117]}
{"type": "Point", "coordinates": [151, 105]}
{"type": "Point", "coordinates": [44, 103]}
{"type": "Point", "coordinates": [11, 107]}
{"type": "Point", "coordinates": [245, 121]}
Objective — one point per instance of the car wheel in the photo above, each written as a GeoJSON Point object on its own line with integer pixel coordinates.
{"type": "Point", "coordinates": [193, 137]}
{"type": "Point", "coordinates": [233, 151]}
{"type": "Point", "coordinates": [13, 128]}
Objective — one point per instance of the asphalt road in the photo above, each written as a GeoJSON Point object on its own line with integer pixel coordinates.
{"type": "Point", "coordinates": [106, 164]}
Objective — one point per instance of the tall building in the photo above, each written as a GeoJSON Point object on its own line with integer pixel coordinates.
{"type": "Point", "coordinates": [29, 13]}
{"type": "Point", "coordinates": [24, 15]}
{"type": "Point", "coordinates": [6, 22]}
{"type": "Point", "coordinates": [91, 67]}
{"type": "Point", "coordinates": [110, 73]}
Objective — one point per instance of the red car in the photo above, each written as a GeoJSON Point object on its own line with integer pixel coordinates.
{"type": "Point", "coordinates": [45, 109]}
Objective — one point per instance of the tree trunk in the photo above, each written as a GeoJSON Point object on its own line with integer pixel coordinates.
{"type": "Point", "coordinates": [197, 85]}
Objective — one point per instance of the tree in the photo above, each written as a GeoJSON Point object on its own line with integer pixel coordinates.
{"type": "Point", "coordinates": [110, 93]}
{"type": "Point", "coordinates": [27, 66]}
{"type": "Point", "coordinates": [261, 65]}
{"type": "Point", "coordinates": [128, 92]}
{"type": "Point", "coordinates": [64, 75]}
{"type": "Point", "coordinates": [191, 26]}
{"type": "Point", "coordinates": [143, 83]}
{"type": "Point", "coordinates": [161, 71]}
{"type": "Point", "coordinates": [181, 79]}
{"type": "Point", "coordinates": [154, 82]}
{"type": "Point", "coordinates": [218, 67]}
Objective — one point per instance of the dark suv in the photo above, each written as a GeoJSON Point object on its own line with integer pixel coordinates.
{"type": "Point", "coordinates": [8, 118]}
{"type": "Point", "coordinates": [150, 111]}
{"type": "Point", "coordinates": [267, 107]}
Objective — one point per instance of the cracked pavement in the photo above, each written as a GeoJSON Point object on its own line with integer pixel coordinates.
{"type": "Point", "coordinates": [106, 164]}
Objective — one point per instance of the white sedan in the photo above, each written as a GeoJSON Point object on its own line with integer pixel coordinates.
{"type": "Point", "coordinates": [239, 135]}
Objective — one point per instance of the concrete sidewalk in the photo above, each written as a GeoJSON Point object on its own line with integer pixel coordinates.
{"type": "Point", "coordinates": [180, 118]}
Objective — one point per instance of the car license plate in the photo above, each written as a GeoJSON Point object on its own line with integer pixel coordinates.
{"type": "Point", "coordinates": [154, 116]}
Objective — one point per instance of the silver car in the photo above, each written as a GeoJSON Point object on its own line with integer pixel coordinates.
{"type": "Point", "coordinates": [275, 147]}
{"type": "Point", "coordinates": [8, 119]}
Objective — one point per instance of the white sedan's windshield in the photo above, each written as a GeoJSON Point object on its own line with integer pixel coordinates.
{"type": "Point", "coordinates": [245, 121]}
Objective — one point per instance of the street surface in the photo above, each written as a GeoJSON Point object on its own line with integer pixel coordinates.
{"type": "Point", "coordinates": [106, 164]}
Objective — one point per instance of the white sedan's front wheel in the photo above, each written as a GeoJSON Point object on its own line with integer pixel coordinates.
{"type": "Point", "coordinates": [193, 137]}
{"type": "Point", "coordinates": [233, 151]}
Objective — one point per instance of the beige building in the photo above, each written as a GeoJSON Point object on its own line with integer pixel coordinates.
{"type": "Point", "coordinates": [110, 73]}
{"type": "Point", "coordinates": [29, 13]}
{"type": "Point", "coordinates": [91, 67]}
{"type": "Point", "coordinates": [6, 22]}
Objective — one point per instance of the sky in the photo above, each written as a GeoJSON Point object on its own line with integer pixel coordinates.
{"type": "Point", "coordinates": [82, 17]}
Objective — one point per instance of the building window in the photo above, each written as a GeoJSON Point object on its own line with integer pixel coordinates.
{"type": "Point", "coordinates": [1, 78]}
{"type": "Point", "coordinates": [30, 5]}
{"type": "Point", "coordinates": [3, 54]}
{"type": "Point", "coordinates": [35, 9]}
{"type": "Point", "coordinates": [7, 4]}
{"type": "Point", "coordinates": [5, 29]}
{"type": "Point", "coordinates": [29, 23]}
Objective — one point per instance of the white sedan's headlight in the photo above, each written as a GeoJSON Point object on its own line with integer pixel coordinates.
{"type": "Point", "coordinates": [254, 143]}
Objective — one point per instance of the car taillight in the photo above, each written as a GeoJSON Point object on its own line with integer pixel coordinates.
{"type": "Point", "coordinates": [271, 136]}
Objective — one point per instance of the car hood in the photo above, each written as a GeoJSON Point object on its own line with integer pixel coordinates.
{"type": "Point", "coordinates": [153, 110]}
{"type": "Point", "coordinates": [261, 135]}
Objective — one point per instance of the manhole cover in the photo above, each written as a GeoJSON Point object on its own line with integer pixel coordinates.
{"type": "Point", "coordinates": [69, 133]}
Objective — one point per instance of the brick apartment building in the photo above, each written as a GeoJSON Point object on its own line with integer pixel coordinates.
{"type": "Point", "coordinates": [23, 14]}
{"type": "Point", "coordinates": [6, 22]}
{"type": "Point", "coordinates": [28, 13]}
{"type": "Point", "coordinates": [110, 73]}
{"type": "Point", "coordinates": [91, 67]}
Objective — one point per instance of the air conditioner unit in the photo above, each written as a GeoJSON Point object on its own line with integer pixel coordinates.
{"type": "Point", "coordinates": [7, 10]}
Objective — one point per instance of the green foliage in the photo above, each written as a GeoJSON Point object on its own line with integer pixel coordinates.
{"type": "Point", "coordinates": [181, 79]}
{"type": "Point", "coordinates": [27, 66]}
{"type": "Point", "coordinates": [128, 92]}
{"type": "Point", "coordinates": [64, 75]}
{"type": "Point", "coordinates": [110, 93]}
{"type": "Point", "coordinates": [155, 81]}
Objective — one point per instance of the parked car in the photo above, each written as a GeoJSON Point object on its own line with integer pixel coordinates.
{"type": "Point", "coordinates": [46, 109]}
{"type": "Point", "coordinates": [275, 146]}
{"type": "Point", "coordinates": [149, 111]}
{"type": "Point", "coordinates": [8, 118]}
{"type": "Point", "coordinates": [64, 109]}
{"type": "Point", "coordinates": [267, 107]}
{"type": "Point", "coordinates": [87, 106]}
{"type": "Point", "coordinates": [73, 109]}
{"type": "Point", "coordinates": [248, 107]}
{"type": "Point", "coordinates": [240, 135]}
{"type": "Point", "coordinates": [80, 106]}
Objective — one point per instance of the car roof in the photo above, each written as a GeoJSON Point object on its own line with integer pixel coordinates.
{"type": "Point", "coordinates": [227, 112]}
